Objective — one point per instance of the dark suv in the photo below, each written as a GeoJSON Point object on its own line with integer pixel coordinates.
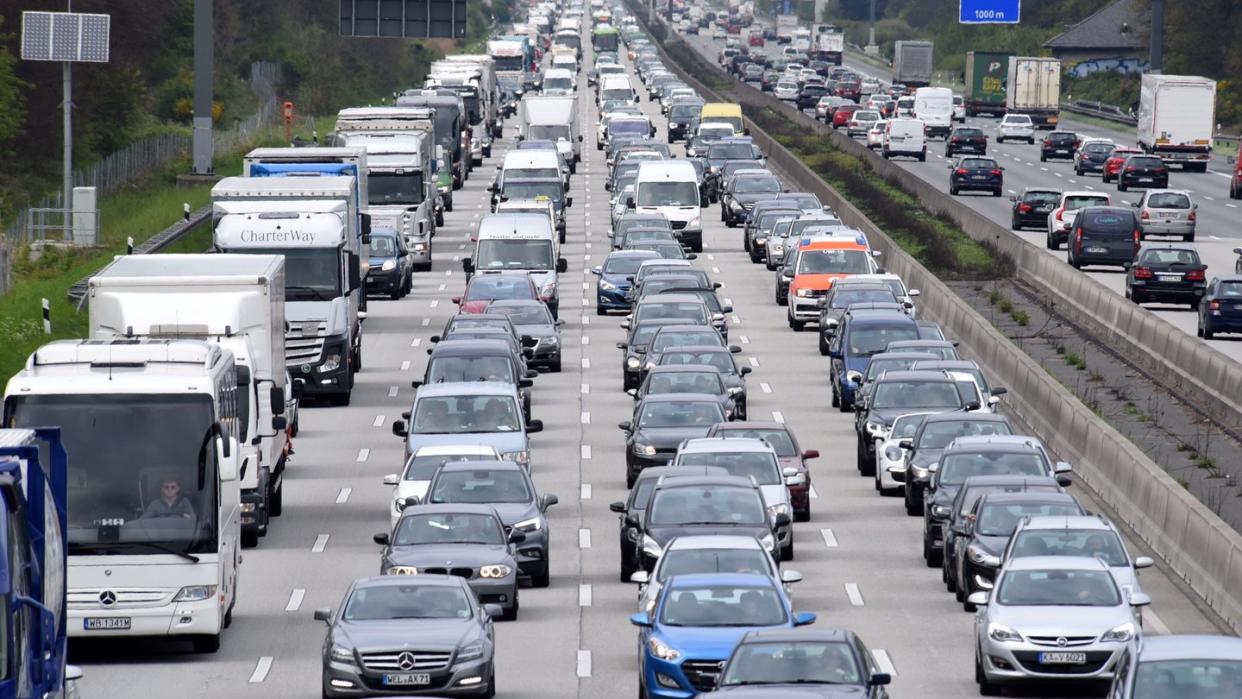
{"type": "Point", "coordinates": [1143, 171]}
{"type": "Point", "coordinates": [1167, 272]}
{"type": "Point", "coordinates": [1031, 208]}
{"type": "Point", "coordinates": [966, 139]}
{"type": "Point", "coordinates": [1059, 144]}
{"type": "Point", "coordinates": [1090, 156]}
{"type": "Point", "coordinates": [1104, 235]}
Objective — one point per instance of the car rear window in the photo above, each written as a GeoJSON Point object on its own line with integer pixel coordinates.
{"type": "Point", "coordinates": [1099, 148]}
{"type": "Point", "coordinates": [1061, 136]}
{"type": "Point", "coordinates": [1146, 161]}
{"type": "Point", "coordinates": [1170, 256]}
{"type": "Point", "coordinates": [1168, 200]}
{"type": "Point", "coordinates": [1073, 203]}
{"type": "Point", "coordinates": [1107, 221]}
{"type": "Point", "coordinates": [1041, 197]}
{"type": "Point", "coordinates": [978, 163]}
{"type": "Point", "coordinates": [1230, 289]}
{"type": "Point", "coordinates": [969, 133]}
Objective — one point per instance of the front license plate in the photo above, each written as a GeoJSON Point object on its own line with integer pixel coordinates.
{"type": "Point", "coordinates": [1098, 251]}
{"type": "Point", "coordinates": [107, 623]}
{"type": "Point", "coordinates": [1060, 658]}
{"type": "Point", "coordinates": [407, 679]}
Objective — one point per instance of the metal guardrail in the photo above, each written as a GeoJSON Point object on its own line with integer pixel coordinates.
{"type": "Point", "coordinates": [1099, 110]}
{"type": "Point", "coordinates": [152, 245]}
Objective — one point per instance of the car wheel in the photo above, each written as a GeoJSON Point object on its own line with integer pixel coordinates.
{"type": "Point", "coordinates": [803, 515]}
{"type": "Point", "coordinates": [996, 192]}
{"type": "Point", "coordinates": [787, 552]}
{"type": "Point", "coordinates": [1207, 331]}
{"type": "Point", "coordinates": [1121, 186]}
{"type": "Point", "coordinates": [206, 644]}
{"type": "Point", "coordinates": [1014, 225]}
{"type": "Point", "coordinates": [544, 579]}
{"type": "Point", "coordinates": [953, 191]}
{"type": "Point", "coordinates": [823, 345]}
{"type": "Point", "coordinates": [934, 557]}
{"type": "Point", "coordinates": [1030, 141]}
{"type": "Point", "coordinates": [914, 508]}
{"type": "Point", "coordinates": [1135, 297]}
{"type": "Point", "coordinates": [1050, 242]}
{"type": "Point", "coordinates": [1043, 158]}
{"type": "Point", "coordinates": [1190, 238]}
{"type": "Point", "coordinates": [1074, 263]}
{"type": "Point", "coordinates": [796, 325]}
{"type": "Point", "coordinates": [511, 614]}
{"type": "Point", "coordinates": [555, 366]}
{"type": "Point", "coordinates": [440, 217]}
{"type": "Point", "coordinates": [836, 399]}
{"type": "Point", "coordinates": [867, 465]}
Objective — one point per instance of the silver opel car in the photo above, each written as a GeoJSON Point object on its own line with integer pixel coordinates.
{"type": "Point", "coordinates": [1052, 618]}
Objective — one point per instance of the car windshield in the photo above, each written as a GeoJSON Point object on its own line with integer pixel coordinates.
{"type": "Point", "coordinates": [422, 467]}
{"type": "Point", "coordinates": [844, 298]}
{"type": "Point", "coordinates": [723, 605]}
{"type": "Point", "coordinates": [1058, 588]}
{"type": "Point", "coordinates": [1145, 161]}
{"type": "Point", "coordinates": [620, 126]}
{"type": "Point", "coordinates": [792, 662]}
{"type": "Point", "coordinates": [866, 341]}
{"type": "Point", "coordinates": [499, 253]}
{"type": "Point", "coordinates": [761, 466]}
{"type": "Point", "coordinates": [1093, 543]}
{"type": "Point", "coordinates": [643, 235]}
{"type": "Point", "coordinates": [834, 262]}
{"type": "Point", "coordinates": [916, 394]}
{"type": "Point", "coordinates": [480, 486]}
{"type": "Point", "coordinates": [1171, 256]}
{"type": "Point", "coordinates": [1168, 200]}
{"type": "Point", "coordinates": [684, 111]}
{"type": "Point", "coordinates": [671, 311]}
{"type": "Point", "coordinates": [386, 602]}
{"type": "Point", "coordinates": [465, 415]}
{"type": "Point", "coordinates": [905, 426]}
{"type": "Point", "coordinates": [1000, 519]}
{"type": "Point", "coordinates": [551, 189]}
{"type": "Point", "coordinates": [687, 338]}
{"type": "Point", "coordinates": [721, 361]}
{"type": "Point", "coordinates": [484, 288]}
{"type": "Point", "coordinates": [680, 414]}
{"type": "Point", "coordinates": [1174, 679]}
{"type": "Point", "coordinates": [454, 369]}
{"type": "Point", "coordinates": [392, 188]}
{"type": "Point", "coordinates": [877, 366]}
{"type": "Point", "coordinates": [534, 314]}
{"type": "Point", "coordinates": [668, 194]}
{"type": "Point", "coordinates": [685, 382]}
{"type": "Point", "coordinates": [1107, 221]}
{"type": "Point", "coordinates": [623, 264]}
{"type": "Point", "coordinates": [448, 528]}
{"type": "Point", "coordinates": [762, 184]}
{"type": "Point", "coordinates": [956, 468]}
{"type": "Point", "coordinates": [551, 132]}
{"type": "Point", "coordinates": [730, 151]}
{"type": "Point", "coordinates": [383, 246]}
{"type": "Point", "coordinates": [690, 561]}
{"type": "Point", "coordinates": [707, 505]}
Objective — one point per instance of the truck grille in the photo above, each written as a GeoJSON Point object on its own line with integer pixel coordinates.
{"type": "Point", "coordinates": [304, 342]}
{"type": "Point", "coordinates": [123, 598]}
{"type": "Point", "coordinates": [392, 660]}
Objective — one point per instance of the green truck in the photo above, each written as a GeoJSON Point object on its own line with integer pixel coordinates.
{"type": "Point", "coordinates": [986, 72]}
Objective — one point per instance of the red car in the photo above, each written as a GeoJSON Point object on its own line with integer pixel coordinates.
{"type": "Point", "coordinates": [841, 115]}
{"type": "Point", "coordinates": [756, 39]}
{"type": "Point", "coordinates": [486, 287]}
{"type": "Point", "coordinates": [1112, 166]}
{"type": "Point", "coordinates": [1235, 183]}
{"type": "Point", "coordinates": [849, 90]}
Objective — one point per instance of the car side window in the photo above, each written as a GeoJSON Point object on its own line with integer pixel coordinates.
{"type": "Point", "coordinates": [868, 659]}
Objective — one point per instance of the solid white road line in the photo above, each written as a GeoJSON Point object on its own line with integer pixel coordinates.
{"type": "Point", "coordinates": [363, 455]}
{"type": "Point", "coordinates": [585, 494]}
{"type": "Point", "coordinates": [321, 542]}
{"type": "Point", "coordinates": [343, 496]}
{"type": "Point", "coordinates": [830, 539]}
{"type": "Point", "coordinates": [586, 451]}
{"type": "Point", "coordinates": [295, 599]}
{"type": "Point", "coordinates": [885, 662]}
{"type": "Point", "coordinates": [261, 669]}
{"type": "Point", "coordinates": [855, 595]}
{"type": "Point", "coordinates": [584, 663]}
{"type": "Point", "coordinates": [584, 595]}
{"type": "Point", "coordinates": [584, 538]}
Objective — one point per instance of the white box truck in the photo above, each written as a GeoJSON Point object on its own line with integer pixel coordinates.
{"type": "Point", "coordinates": [1176, 119]}
{"type": "Point", "coordinates": [1033, 88]}
{"type": "Point", "coordinates": [785, 26]}
{"type": "Point", "coordinates": [828, 43]}
{"type": "Point", "coordinates": [310, 221]}
{"type": "Point", "coordinates": [153, 517]}
{"type": "Point", "coordinates": [236, 301]}
{"type": "Point", "coordinates": [912, 63]}
{"type": "Point", "coordinates": [489, 89]}
{"type": "Point", "coordinates": [554, 118]}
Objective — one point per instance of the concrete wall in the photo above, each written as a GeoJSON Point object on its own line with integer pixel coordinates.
{"type": "Point", "coordinates": [1194, 542]}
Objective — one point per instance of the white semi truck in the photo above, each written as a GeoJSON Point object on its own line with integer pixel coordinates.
{"type": "Point", "coordinates": [236, 301]}
{"type": "Point", "coordinates": [1176, 119]}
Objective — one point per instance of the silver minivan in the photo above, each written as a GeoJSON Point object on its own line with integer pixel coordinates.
{"type": "Point", "coordinates": [1166, 212]}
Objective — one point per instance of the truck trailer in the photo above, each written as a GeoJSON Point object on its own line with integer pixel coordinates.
{"type": "Point", "coordinates": [1176, 119]}
{"type": "Point", "coordinates": [986, 73]}
{"type": "Point", "coordinates": [912, 63]}
{"type": "Point", "coordinates": [1033, 87]}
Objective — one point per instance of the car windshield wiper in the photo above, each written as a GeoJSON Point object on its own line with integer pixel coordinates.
{"type": "Point", "coordinates": [116, 548]}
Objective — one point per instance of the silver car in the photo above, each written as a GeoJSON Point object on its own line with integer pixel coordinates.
{"type": "Point", "coordinates": [1166, 212]}
{"type": "Point", "coordinates": [1084, 535]}
{"type": "Point", "coordinates": [1052, 619]}
{"type": "Point", "coordinates": [1182, 665]}
{"type": "Point", "coordinates": [1015, 127]}
{"type": "Point", "coordinates": [708, 553]}
{"type": "Point", "coordinates": [777, 243]}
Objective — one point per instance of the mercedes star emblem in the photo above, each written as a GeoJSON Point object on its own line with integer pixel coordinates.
{"type": "Point", "coordinates": [1061, 641]}
{"type": "Point", "coordinates": [405, 661]}
{"type": "Point", "coordinates": [107, 598]}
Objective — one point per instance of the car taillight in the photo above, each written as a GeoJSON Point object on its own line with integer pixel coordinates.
{"type": "Point", "coordinates": [1213, 305]}
{"type": "Point", "coordinates": [1131, 169]}
{"type": "Point", "coordinates": [1143, 273]}
{"type": "Point", "coordinates": [1191, 216]}
{"type": "Point", "coordinates": [996, 173]}
{"type": "Point", "coordinates": [1146, 215]}
{"type": "Point", "coordinates": [1196, 275]}
{"type": "Point", "coordinates": [1078, 241]}
{"type": "Point", "coordinates": [1161, 170]}
{"type": "Point", "coordinates": [1047, 142]}
{"type": "Point", "coordinates": [1059, 212]}
{"type": "Point", "coordinates": [960, 171]}
{"type": "Point", "coordinates": [1024, 208]}
{"type": "Point", "coordinates": [1138, 239]}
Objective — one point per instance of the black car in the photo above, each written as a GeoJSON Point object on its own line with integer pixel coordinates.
{"type": "Point", "coordinates": [785, 275]}
{"type": "Point", "coordinates": [963, 505]}
{"type": "Point", "coordinates": [1104, 235]}
{"type": "Point", "coordinates": [1147, 171]}
{"type": "Point", "coordinates": [977, 174]}
{"type": "Point", "coordinates": [1220, 311]}
{"type": "Point", "coordinates": [803, 663]}
{"type": "Point", "coordinates": [635, 349]}
{"type": "Point", "coordinates": [1059, 144]}
{"type": "Point", "coordinates": [719, 312]}
{"type": "Point", "coordinates": [390, 270]}
{"type": "Point", "coordinates": [533, 319]}
{"type": "Point", "coordinates": [839, 298]}
{"type": "Point", "coordinates": [635, 504]}
{"type": "Point", "coordinates": [896, 393]}
{"type": "Point", "coordinates": [744, 191]}
{"type": "Point", "coordinates": [1091, 156]}
{"type": "Point", "coordinates": [754, 220]}
{"type": "Point", "coordinates": [719, 358]}
{"type": "Point", "coordinates": [1032, 206]}
{"type": "Point", "coordinates": [688, 335]}
{"type": "Point", "coordinates": [966, 139]}
{"type": "Point", "coordinates": [809, 95]}
{"type": "Point", "coordinates": [701, 380]}
{"type": "Point", "coordinates": [1167, 273]}
{"type": "Point", "coordinates": [929, 441]}
{"type": "Point", "coordinates": [986, 531]}
{"type": "Point", "coordinates": [683, 119]}
{"type": "Point", "coordinates": [661, 423]}
{"type": "Point", "coordinates": [704, 505]}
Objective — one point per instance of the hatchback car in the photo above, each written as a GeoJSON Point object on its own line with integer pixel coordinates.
{"type": "Point", "coordinates": [1142, 171]}
{"type": "Point", "coordinates": [966, 139]}
{"type": "Point", "coordinates": [1059, 144]}
{"type": "Point", "coordinates": [1091, 155]}
{"type": "Point", "coordinates": [1104, 235]}
{"type": "Point", "coordinates": [1015, 127]}
{"type": "Point", "coordinates": [861, 121]}
{"type": "Point", "coordinates": [616, 277]}
{"type": "Point", "coordinates": [661, 423]}
{"type": "Point", "coordinates": [631, 510]}
{"type": "Point", "coordinates": [976, 174]}
{"type": "Point", "coordinates": [934, 434]}
{"type": "Point", "coordinates": [533, 319]}
{"type": "Point", "coordinates": [484, 288]}
{"type": "Point", "coordinates": [707, 553]}
{"type": "Point", "coordinates": [1061, 219]}
{"type": "Point", "coordinates": [807, 663]}
{"type": "Point", "coordinates": [1220, 311]}
{"type": "Point", "coordinates": [860, 336]}
{"type": "Point", "coordinates": [1115, 160]}
{"type": "Point", "coordinates": [391, 270]}
{"type": "Point", "coordinates": [896, 393]}
{"type": "Point", "coordinates": [685, 505]}
{"type": "Point", "coordinates": [1167, 212]}
{"type": "Point", "coordinates": [419, 468]}
{"type": "Point", "coordinates": [1167, 273]}
{"type": "Point", "coordinates": [1032, 206]}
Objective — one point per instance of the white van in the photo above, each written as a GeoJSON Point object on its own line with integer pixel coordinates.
{"type": "Point", "coordinates": [904, 137]}
{"type": "Point", "coordinates": [934, 107]}
{"type": "Point", "coordinates": [532, 164]}
{"type": "Point", "coordinates": [520, 242]}
{"type": "Point", "coordinates": [905, 107]}
{"type": "Point", "coordinates": [558, 81]}
{"type": "Point", "coordinates": [615, 87]}
{"type": "Point", "coordinates": [671, 187]}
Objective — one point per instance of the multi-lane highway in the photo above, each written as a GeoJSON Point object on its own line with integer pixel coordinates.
{"type": "Point", "coordinates": [1218, 230]}
{"type": "Point", "coordinates": [859, 554]}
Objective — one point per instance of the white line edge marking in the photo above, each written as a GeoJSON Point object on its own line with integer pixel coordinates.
{"type": "Point", "coordinates": [261, 669]}
{"type": "Point", "coordinates": [363, 454]}
{"type": "Point", "coordinates": [754, 361]}
{"type": "Point", "coordinates": [855, 595]}
{"type": "Point", "coordinates": [584, 538]}
{"type": "Point", "coordinates": [830, 539]}
{"type": "Point", "coordinates": [343, 496]}
{"type": "Point", "coordinates": [295, 599]}
{"type": "Point", "coordinates": [584, 663]}
{"type": "Point", "coordinates": [584, 595]}
{"type": "Point", "coordinates": [1156, 622]}
{"type": "Point", "coordinates": [321, 542]}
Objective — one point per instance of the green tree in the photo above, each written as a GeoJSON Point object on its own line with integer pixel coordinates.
{"type": "Point", "coordinates": [12, 100]}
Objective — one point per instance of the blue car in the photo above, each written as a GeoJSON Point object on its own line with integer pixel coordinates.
{"type": "Point", "coordinates": [861, 334]}
{"type": "Point", "coordinates": [616, 276]}
{"type": "Point", "coordinates": [696, 623]}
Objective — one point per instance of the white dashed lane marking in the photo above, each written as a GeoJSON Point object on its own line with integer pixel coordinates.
{"type": "Point", "coordinates": [295, 599]}
{"type": "Point", "coordinates": [584, 595]}
{"type": "Point", "coordinates": [855, 595]}
{"type": "Point", "coordinates": [343, 496]}
{"type": "Point", "coordinates": [765, 387]}
{"type": "Point", "coordinates": [363, 455]}
{"type": "Point", "coordinates": [321, 542]}
{"type": "Point", "coordinates": [261, 669]}
{"type": "Point", "coordinates": [584, 663]}
{"type": "Point", "coordinates": [830, 539]}
{"type": "Point", "coordinates": [777, 416]}
{"type": "Point", "coordinates": [586, 451]}
{"type": "Point", "coordinates": [584, 538]}
{"type": "Point", "coordinates": [585, 493]}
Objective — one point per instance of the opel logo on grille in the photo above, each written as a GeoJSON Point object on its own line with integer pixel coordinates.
{"type": "Point", "coordinates": [107, 598]}
{"type": "Point", "coordinates": [406, 661]}
{"type": "Point", "coordinates": [1061, 641]}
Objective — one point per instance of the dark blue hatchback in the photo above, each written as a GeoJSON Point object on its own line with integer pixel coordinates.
{"type": "Point", "coordinates": [616, 276]}
{"type": "Point", "coordinates": [1221, 308]}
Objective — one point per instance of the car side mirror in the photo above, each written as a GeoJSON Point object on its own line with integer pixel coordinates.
{"type": "Point", "coordinates": [734, 349]}
{"type": "Point", "coordinates": [632, 392]}
{"type": "Point", "coordinates": [381, 538]}
{"type": "Point", "coordinates": [355, 273]}
{"type": "Point", "coordinates": [781, 520]}
{"type": "Point", "coordinates": [978, 599]}
{"type": "Point", "coordinates": [324, 615]}
{"type": "Point", "coordinates": [640, 577]}
{"type": "Point", "coordinates": [625, 325]}
{"type": "Point", "coordinates": [467, 265]}
{"type": "Point", "coordinates": [1143, 562]}
{"type": "Point", "coordinates": [548, 500]}
{"type": "Point", "coordinates": [569, 201]}
{"type": "Point", "coordinates": [517, 537]}
{"type": "Point", "coordinates": [625, 426]}
{"type": "Point", "coordinates": [907, 444]}
{"type": "Point", "coordinates": [804, 618]}
{"type": "Point", "coordinates": [534, 426]}
{"type": "Point", "coordinates": [973, 405]}
{"type": "Point", "coordinates": [493, 611]}
{"type": "Point", "coordinates": [279, 423]}
{"type": "Point", "coordinates": [745, 370]}
{"type": "Point", "coordinates": [1139, 599]}
{"type": "Point", "coordinates": [640, 619]}
{"type": "Point", "coordinates": [617, 507]}
{"type": "Point", "coordinates": [914, 293]}
{"type": "Point", "coordinates": [392, 479]}
{"type": "Point", "coordinates": [525, 383]}
{"type": "Point", "coordinates": [399, 429]}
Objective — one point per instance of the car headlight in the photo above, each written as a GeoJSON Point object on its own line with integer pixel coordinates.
{"type": "Point", "coordinates": [696, 222]}
{"type": "Point", "coordinates": [401, 570]}
{"type": "Point", "coordinates": [876, 429]}
{"type": "Point", "coordinates": [651, 547]}
{"type": "Point", "coordinates": [340, 654]}
{"type": "Point", "coordinates": [388, 266]}
{"type": "Point", "coordinates": [779, 508]}
{"type": "Point", "coordinates": [606, 285]}
{"type": "Point", "coordinates": [496, 571]}
{"type": "Point", "coordinates": [644, 450]}
{"type": "Point", "coordinates": [733, 204]}
{"type": "Point", "coordinates": [195, 593]}
{"type": "Point", "coordinates": [761, 241]}
{"type": "Point", "coordinates": [892, 454]}
{"type": "Point", "coordinates": [1002, 633]}
{"type": "Point", "coordinates": [769, 542]}
{"type": "Point", "coordinates": [533, 524]}
{"type": "Point", "coordinates": [470, 652]}
{"type": "Point", "coordinates": [918, 471]}
{"type": "Point", "coordinates": [1120, 634]}
{"type": "Point", "coordinates": [662, 650]}
{"type": "Point", "coordinates": [778, 247]}
{"type": "Point", "coordinates": [632, 362]}
{"type": "Point", "coordinates": [941, 511]}
{"type": "Point", "coordinates": [552, 340]}
{"type": "Point", "coordinates": [976, 554]}
{"type": "Point", "coordinates": [522, 457]}
{"type": "Point", "coordinates": [803, 293]}
{"type": "Point", "coordinates": [331, 362]}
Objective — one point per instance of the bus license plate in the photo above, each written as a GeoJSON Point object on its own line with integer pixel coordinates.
{"type": "Point", "coordinates": [1059, 658]}
{"type": "Point", "coordinates": [107, 623]}
{"type": "Point", "coordinates": [407, 679]}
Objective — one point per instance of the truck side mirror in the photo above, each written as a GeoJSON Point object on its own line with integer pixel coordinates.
{"type": "Point", "coordinates": [355, 273]}
{"type": "Point", "coordinates": [467, 265]}
{"type": "Point", "coordinates": [227, 457]}
{"type": "Point", "coordinates": [278, 400]}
